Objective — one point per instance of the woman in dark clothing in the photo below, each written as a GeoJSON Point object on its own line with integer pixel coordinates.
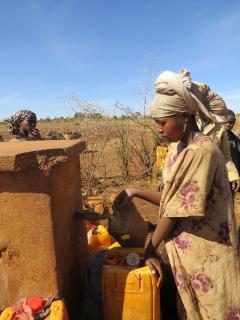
{"type": "Point", "coordinates": [234, 141]}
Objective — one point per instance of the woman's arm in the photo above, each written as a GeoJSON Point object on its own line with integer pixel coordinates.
{"type": "Point", "coordinates": [150, 196]}
{"type": "Point", "coordinates": [164, 226]}
{"type": "Point", "coordinates": [127, 195]}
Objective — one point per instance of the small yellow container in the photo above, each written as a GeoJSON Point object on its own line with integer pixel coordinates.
{"type": "Point", "coordinates": [161, 153]}
{"type": "Point", "coordinates": [7, 314]}
{"type": "Point", "coordinates": [130, 293]}
{"type": "Point", "coordinates": [58, 311]}
{"type": "Point", "coordinates": [101, 239]}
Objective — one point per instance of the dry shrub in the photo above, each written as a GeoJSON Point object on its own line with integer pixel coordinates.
{"type": "Point", "coordinates": [143, 152]}
{"type": "Point", "coordinates": [63, 135]}
{"type": "Point", "coordinates": [117, 150]}
{"type": "Point", "coordinates": [93, 163]}
{"type": "Point", "coordinates": [135, 149]}
{"type": "Point", "coordinates": [122, 148]}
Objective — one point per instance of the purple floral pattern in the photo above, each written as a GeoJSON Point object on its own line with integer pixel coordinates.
{"type": "Point", "coordinates": [182, 241]}
{"type": "Point", "coordinates": [201, 282]}
{"type": "Point", "coordinates": [201, 139]}
{"type": "Point", "coordinates": [232, 314]}
{"type": "Point", "coordinates": [198, 281]}
{"type": "Point", "coordinates": [180, 280]}
{"type": "Point", "coordinates": [189, 195]}
{"type": "Point", "coordinates": [172, 159]}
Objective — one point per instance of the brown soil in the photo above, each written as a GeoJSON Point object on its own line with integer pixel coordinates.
{"type": "Point", "coordinates": [106, 177]}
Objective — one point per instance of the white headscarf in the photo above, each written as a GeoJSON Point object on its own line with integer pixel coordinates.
{"type": "Point", "coordinates": [176, 93]}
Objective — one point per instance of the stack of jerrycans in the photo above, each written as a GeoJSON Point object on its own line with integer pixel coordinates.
{"type": "Point", "coordinates": [129, 292]}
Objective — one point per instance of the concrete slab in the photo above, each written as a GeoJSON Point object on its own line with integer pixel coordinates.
{"type": "Point", "coordinates": [42, 249]}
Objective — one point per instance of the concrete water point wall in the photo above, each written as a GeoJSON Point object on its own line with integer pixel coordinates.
{"type": "Point", "coordinates": [42, 249]}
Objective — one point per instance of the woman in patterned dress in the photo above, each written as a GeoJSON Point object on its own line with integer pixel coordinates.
{"type": "Point", "coordinates": [196, 221]}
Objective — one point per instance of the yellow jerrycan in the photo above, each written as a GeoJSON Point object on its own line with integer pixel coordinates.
{"type": "Point", "coordinates": [161, 153]}
{"type": "Point", "coordinates": [130, 293]}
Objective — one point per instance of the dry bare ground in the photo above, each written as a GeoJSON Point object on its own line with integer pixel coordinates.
{"type": "Point", "coordinates": [119, 153]}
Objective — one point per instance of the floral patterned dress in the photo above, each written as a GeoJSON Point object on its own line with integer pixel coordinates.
{"type": "Point", "coordinates": [203, 246]}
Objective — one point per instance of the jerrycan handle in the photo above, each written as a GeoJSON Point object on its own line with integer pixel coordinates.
{"type": "Point", "coordinates": [123, 284]}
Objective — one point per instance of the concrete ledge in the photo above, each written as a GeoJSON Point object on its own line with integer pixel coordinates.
{"type": "Point", "coordinates": [44, 155]}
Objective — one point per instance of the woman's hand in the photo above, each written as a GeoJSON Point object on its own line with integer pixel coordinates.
{"type": "Point", "coordinates": [124, 198]}
{"type": "Point", "coordinates": [35, 134]}
{"type": "Point", "coordinates": [153, 262]}
{"type": "Point", "coordinates": [155, 267]}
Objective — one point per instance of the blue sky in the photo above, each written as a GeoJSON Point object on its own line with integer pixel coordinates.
{"type": "Point", "coordinates": [104, 51]}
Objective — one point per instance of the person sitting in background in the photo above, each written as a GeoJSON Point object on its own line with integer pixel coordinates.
{"type": "Point", "coordinates": [23, 125]}
{"type": "Point", "coordinates": [233, 140]}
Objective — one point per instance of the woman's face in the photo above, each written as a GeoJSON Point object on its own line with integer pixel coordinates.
{"type": "Point", "coordinates": [229, 123]}
{"type": "Point", "coordinates": [171, 128]}
{"type": "Point", "coordinates": [27, 126]}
